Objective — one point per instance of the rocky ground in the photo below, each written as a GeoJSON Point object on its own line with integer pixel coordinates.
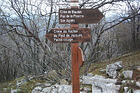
{"type": "Point", "coordinates": [118, 82]}
{"type": "Point", "coordinates": [112, 77]}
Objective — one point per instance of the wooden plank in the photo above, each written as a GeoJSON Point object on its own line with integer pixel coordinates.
{"type": "Point", "coordinates": [69, 35]}
{"type": "Point", "coordinates": [79, 16]}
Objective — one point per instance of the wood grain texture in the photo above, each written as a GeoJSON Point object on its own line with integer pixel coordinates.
{"type": "Point", "coordinates": [75, 68]}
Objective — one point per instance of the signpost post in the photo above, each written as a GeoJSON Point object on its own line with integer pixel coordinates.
{"type": "Point", "coordinates": [74, 35]}
{"type": "Point", "coordinates": [75, 61]}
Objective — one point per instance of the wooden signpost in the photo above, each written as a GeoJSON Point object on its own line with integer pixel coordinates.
{"type": "Point", "coordinates": [74, 35]}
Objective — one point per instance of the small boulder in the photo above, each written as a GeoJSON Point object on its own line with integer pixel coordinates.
{"type": "Point", "coordinates": [138, 84]}
{"type": "Point", "coordinates": [14, 91]}
{"type": "Point", "coordinates": [101, 84]}
{"type": "Point", "coordinates": [136, 91]}
{"type": "Point", "coordinates": [63, 82]}
{"type": "Point", "coordinates": [37, 90]}
{"type": "Point", "coordinates": [47, 84]}
{"type": "Point", "coordinates": [86, 89]}
{"type": "Point", "coordinates": [111, 69]}
{"type": "Point", "coordinates": [20, 82]}
{"type": "Point", "coordinates": [102, 70]}
{"type": "Point", "coordinates": [90, 74]}
{"type": "Point", "coordinates": [128, 74]}
{"type": "Point", "coordinates": [126, 89]}
{"type": "Point", "coordinates": [58, 89]}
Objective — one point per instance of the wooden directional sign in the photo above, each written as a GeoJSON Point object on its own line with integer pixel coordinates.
{"type": "Point", "coordinates": [69, 35]}
{"type": "Point", "coordinates": [79, 16]}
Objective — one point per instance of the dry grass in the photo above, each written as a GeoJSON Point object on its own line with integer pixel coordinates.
{"type": "Point", "coordinates": [129, 61]}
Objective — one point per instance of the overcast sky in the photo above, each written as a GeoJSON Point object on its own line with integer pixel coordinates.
{"type": "Point", "coordinates": [118, 8]}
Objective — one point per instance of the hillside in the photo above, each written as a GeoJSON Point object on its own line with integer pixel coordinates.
{"type": "Point", "coordinates": [129, 61]}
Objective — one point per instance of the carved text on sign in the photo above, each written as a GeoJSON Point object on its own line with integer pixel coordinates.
{"type": "Point", "coordinates": [75, 16]}
{"type": "Point", "coordinates": [67, 35]}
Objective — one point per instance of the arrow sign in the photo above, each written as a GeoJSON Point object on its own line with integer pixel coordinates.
{"type": "Point", "coordinates": [69, 35]}
{"type": "Point", "coordinates": [79, 16]}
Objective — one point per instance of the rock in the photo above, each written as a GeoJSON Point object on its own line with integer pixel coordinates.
{"type": "Point", "coordinates": [97, 78]}
{"type": "Point", "coordinates": [14, 91]}
{"type": "Point", "coordinates": [90, 74]}
{"type": "Point", "coordinates": [87, 80]}
{"type": "Point", "coordinates": [128, 74]}
{"type": "Point", "coordinates": [96, 90]}
{"type": "Point", "coordinates": [65, 89]}
{"type": "Point", "coordinates": [124, 81]}
{"type": "Point", "coordinates": [102, 70]}
{"type": "Point", "coordinates": [129, 91]}
{"type": "Point", "coordinates": [125, 89]}
{"type": "Point", "coordinates": [138, 84]}
{"type": "Point", "coordinates": [63, 82]}
{"type": "Point", "coordinates": [87, 89]}
{"type": "Point", "coordinates": [136, 91]}
{"type": "Point", "coordinates": [111, 69]}
{"type": "Point", "coordinates": [119, 65]}
{"type": "Point", "coordinates": [5, 89]}
{"type": "Point", "coordinates": [47, 90]}
{"type": "Point", "coordinates": [20, 82]}
{"type": "Point", "coordinates": [37, 90]}
{"type": "Point", "coordinates": [47, 84]}
{"type": "Point", "coordinates": [101, 84]}
{"type": "Point", "coordinates": [54, 89]}
{"type": "Point", "coordinates": [105, 88]}
{"type": "Point", "coordinates": [30, 78]}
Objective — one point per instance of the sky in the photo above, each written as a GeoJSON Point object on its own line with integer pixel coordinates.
{"type": "Point", "coordinates": [118, 8]}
